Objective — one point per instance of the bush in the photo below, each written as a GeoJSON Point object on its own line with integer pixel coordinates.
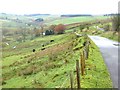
{"type": "Point", "coordinates": [49, 32]}
{"type": "Point", "coordinates": [106, 27]}
{"type": "Point", "coordinates": [82, 27]}
{"type": "Point", "coordinates": [59, 29]}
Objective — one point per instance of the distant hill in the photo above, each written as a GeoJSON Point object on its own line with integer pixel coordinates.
{"type": "Point", "coordinates": [36, 14]}
{"type": "Point", "coordinates": [75, 15]}
{"type": "Point", "coordinates": [110, 14]}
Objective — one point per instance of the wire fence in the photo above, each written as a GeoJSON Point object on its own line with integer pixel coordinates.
{"type": "Point", "coordinates": [73, 79]}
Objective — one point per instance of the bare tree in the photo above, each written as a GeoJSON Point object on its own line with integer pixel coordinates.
{"type": "Point", "coordinates": [42, 27]}
{"type": "Point", "coordinates": [23, 33]}
{"type": "Point", "coordinates": [36, 32]}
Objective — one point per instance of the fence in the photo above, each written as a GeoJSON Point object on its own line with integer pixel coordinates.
{"type": "Point", "coordinates": [80, 68]}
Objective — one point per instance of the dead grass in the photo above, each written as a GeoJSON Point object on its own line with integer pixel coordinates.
{"type": "Point", "coordinates": [51, 52]}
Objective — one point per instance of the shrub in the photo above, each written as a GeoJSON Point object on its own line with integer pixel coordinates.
{"type": "Point", "coordinates": [59, 29]}
{"type": "Point", "coordinates": [107, 27]}
{"type": "Point", "coordinates": [49, 32]}
{"type": "Point", "coordinates": [82, 27]}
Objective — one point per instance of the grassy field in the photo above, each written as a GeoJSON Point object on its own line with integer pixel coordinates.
{"type": "Point", "coordinates": [69, 20]}
{"type": "Point", "coordinates": [9, 20]}
{"type": "Point", "coordinates": [50, 68]}
{"type": "Point", "coordinates": [51, 63]}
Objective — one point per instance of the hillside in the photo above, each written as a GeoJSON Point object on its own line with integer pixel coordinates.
{"type": "Point", "coordinates": [50, 68]}
{"type": "Point", "coordinates": [35, 60]}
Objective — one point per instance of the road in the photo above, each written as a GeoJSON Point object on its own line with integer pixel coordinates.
{"type": "Point", "coordinates": [109, 52]}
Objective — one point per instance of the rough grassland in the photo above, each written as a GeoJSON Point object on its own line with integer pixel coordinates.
{"type": "Point", "coordinates": [50, 68]}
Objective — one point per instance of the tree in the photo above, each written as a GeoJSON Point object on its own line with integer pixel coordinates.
{"type": "Point", "coordinates": [23, 33]}
{"type": "Point", "coordinates": [36, 32]}
{"type": "Point", "coordinates": [52, 27]}
{"type": "Point", "coordinates": [59, 29]}
{"type": "Point", "coordinates": [49, 32]}
{"type": "Point", "coordinates": [42, 27]}
{"type": "Point", "coordinates": [116, 22]}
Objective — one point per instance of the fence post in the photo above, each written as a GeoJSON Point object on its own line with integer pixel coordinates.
{"type": "Point", "coordinates": [88, 42]}
{"type": "Point", "coordinates": [85, 52]}
{"type": "Point", "coordinates": [84, 57]}
{"type": "Point", "coordinates": [78, 74]}
{"type": "Point", "coordinates": [71, 80]}
{"type": "Point", "coordinates": [82, 70]}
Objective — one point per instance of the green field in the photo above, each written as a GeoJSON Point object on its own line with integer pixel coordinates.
{"type": "Point", "coordinates": [50, 68]}
{"type": "Point", "coordinates": [70, 20]}
{"type": "Point", "coordinates": [52, 62]}
{"type": "Point", "coordinates": [48, 20]}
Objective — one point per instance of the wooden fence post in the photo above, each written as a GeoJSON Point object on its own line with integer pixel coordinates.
{"type": "Point", "coordinates": [88, 42]}
{"type": "Point", "coordinates": [85, 53]}
{"type": "Point", "coordinates": [84, 57]}
{"type": "Point", "coordinates": [78, 74]}
{"type": "Point", "coordinates": [71, 80]}
{"type": "Point", "coordinates": [82, 64]}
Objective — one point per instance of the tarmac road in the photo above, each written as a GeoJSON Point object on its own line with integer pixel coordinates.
{"type": "Point", "coordinates": [109, 52]}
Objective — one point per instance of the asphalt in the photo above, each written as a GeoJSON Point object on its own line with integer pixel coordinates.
{"type": "Point", "coordinates": [109, 51]}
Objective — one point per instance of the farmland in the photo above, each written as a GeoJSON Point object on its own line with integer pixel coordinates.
{"type": "Point", "coordinates": [53, 64]}
{"type": "Point", "coordinates": [50, 65]}
{"type": "Point", "coordinates": [70, 20]}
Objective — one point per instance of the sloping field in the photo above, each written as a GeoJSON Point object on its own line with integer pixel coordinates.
{"type": "Point", "coordinates": [50, 68]}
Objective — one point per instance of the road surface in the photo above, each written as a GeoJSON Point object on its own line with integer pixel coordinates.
{"type": "Point", "coordinates": [109, 51]}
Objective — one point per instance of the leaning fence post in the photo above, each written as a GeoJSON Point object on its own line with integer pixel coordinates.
{"type": "Point", "coordinates": [78, 73]}
{"type": "Point", "coordinates": [71, 80]}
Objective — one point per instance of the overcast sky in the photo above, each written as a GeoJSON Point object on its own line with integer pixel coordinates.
{"type": "Point", "coordinates": [59, 6]}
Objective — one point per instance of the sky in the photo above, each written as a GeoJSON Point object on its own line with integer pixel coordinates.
{"type": "Point", "coordinates": [59, 6]}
